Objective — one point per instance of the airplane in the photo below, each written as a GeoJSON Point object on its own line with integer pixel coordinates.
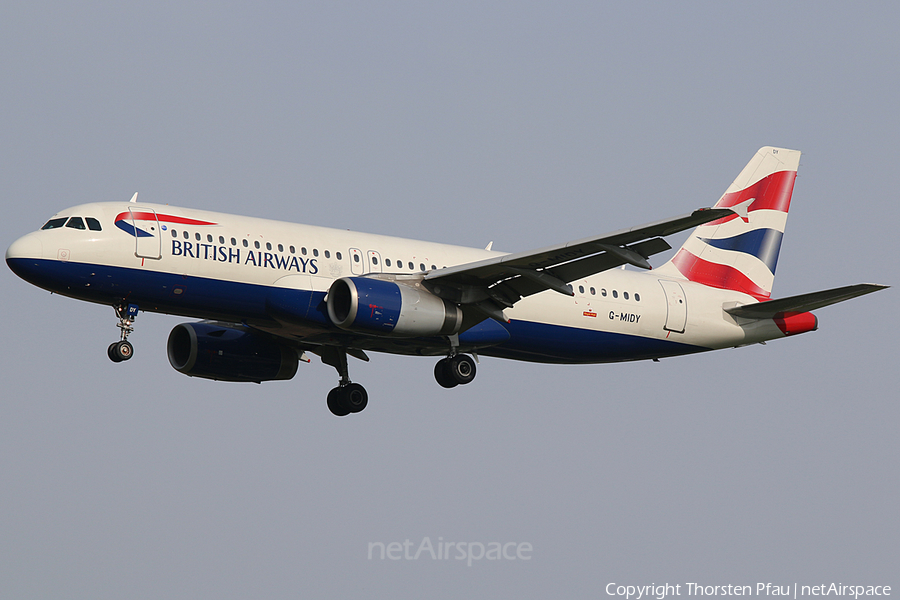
{"type": "Point", "coordinates": [269, 293]}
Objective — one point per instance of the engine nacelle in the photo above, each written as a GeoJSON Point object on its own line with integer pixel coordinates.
{"type": "Point", "coordinates": [388, 308]}
{"type": "Point", "coordinates": [228, 353]}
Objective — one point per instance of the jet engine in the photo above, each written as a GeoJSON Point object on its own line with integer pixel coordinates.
{"type": "Point", "coordinates": [383, 307]}
{"type": "Point", "coordinates": [229, 353]}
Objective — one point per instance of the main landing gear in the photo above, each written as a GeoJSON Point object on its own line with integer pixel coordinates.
{"type": "Point", "coordinates": [347, 397]}
{"type": "Point", "coordinates": [458, 369]}
{"type": "Point", "coordinates": [123, 350]}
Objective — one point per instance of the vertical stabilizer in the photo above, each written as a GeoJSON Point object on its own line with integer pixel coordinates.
{"type": "Point", "coordinates": [740, 252]}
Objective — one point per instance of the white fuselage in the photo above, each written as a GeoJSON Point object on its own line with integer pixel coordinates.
{"type": "Point", "coordinates": [220, 266]}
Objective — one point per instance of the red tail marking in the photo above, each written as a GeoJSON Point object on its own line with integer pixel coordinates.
{"type": "Point", "coordinates": [771, 193]}
{"type": "Point", "coordinates": [715, 275]}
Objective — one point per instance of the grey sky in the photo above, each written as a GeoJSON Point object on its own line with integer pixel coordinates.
{"type": "Point", "coordinates": [522, 124]}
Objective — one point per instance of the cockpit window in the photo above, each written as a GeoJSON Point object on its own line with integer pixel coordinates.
{"type": "Point", "coordinates": [93, 224]}
{"type": "Point", "coordinates": [76, 223]}
{"type": "Point", "coordinates": [54, 223]}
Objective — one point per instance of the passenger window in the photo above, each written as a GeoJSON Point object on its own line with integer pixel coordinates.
{"type": "Point", "coordinates": [221, 239]}
{"type": "Point", "coordinates": [593, 292]}
{"type": "Point", "coordinates": [197, 236]}
{"type": "Point", "coordinates": [412, 267]}
{"type": "Point", "coordinates": [245, 243]}
{"type": "Point", "coordinates": [433, 268]}
{"type": "Point", "coordinates": [303, 251]}
{"type": "Point", "coordinates": [637, 297]}
{"type": "Point", "coordinates": [187, 236]}
{"type": "Point", "coordinates": [356, 258]}
{"type": "Point", "coordinates": [315, 251]}
{"type": "Point", "coordinates": [615, 294]}
{"type": "Point", "coordinates": [174, 234]}
{"type": "Point", "coordinates": [54, 223]}
{"type": "Point", "coordinates": [374, 260]}
{"type": "Point", "coordinates": [75, 223]}
{"type": "Point", "coordinates": [338, 255]}
{"type": "Point", "coordinates": [233, 242]}
{"type": "Point", "coordinates": [603, 292]}
{"type": "Point", "coordinates": [387, 262]}
{"type": "Point", "coordinates": [327, 254]}
{"type": "Point", "coordinates": [256, 244]}
{"type": "Point", "coordinates": [422, 267]}
{"type": "Point", "coordinates": [93, 224]}
{"type": "Point", "coordinates": [280, 248]}
{"type": "Point", "coordinates": [625, 295]}
{"type": "Point", "coordinates": [208, 238]}
{"type": "Point", "coordinates": [268, 245]}
{"type": "Point", "coordinates": [292, 250]}
{"type": "Point", "coordinates": [580, 289]}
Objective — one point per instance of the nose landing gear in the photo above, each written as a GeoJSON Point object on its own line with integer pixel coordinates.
{"type": "Point", "coordinates": [123, 350]}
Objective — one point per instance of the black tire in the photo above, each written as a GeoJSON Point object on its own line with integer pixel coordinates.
{"type": "Point", "coordinates": [357, 397]}
{"type": "Point", "coordinates": [120, 351]}
{"type": "Point", "coordinates": [337, 402]}
{"type": "Point", "coordinates": [462, 368]}
{"type": "Point", "coordinates": [442, 374]}
{"type": "Point", "coordinates": [112, 353]}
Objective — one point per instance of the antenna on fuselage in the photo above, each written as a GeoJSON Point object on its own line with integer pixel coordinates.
{"type": "Point", "coordinates": [134, 198]}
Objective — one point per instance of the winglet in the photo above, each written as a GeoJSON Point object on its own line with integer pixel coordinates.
{"type": "Point", "coordinates": [134, 198]}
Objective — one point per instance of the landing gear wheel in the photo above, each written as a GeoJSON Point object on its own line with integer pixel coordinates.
{"type": "Point", "coordinates": [462, 368]}
{"type": "Point", "coordinates": [119, 351]}
{"type": "Point", "coordinates": [357, 397]}
{"type": "Point", "coordinates": [442, 374]}
{"type": "Point", "coordinates": [350, 398]}
{"type": "Point", "coordinates": [347, 397]}
{"type": "Point", "coordinates": [337, 402]}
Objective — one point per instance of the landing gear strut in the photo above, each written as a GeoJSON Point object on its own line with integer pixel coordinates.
{"type": "Point", "coordinates": [347, 397]}
{"type": "Point", "coordinates": [123, 350]}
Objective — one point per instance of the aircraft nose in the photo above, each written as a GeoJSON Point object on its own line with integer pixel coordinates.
{"type": "Point", "coordinates": [28, 246]}
{"type": "Point", "coordinates": [21, 251]}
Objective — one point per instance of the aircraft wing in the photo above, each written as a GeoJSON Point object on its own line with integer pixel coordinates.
{"type": "Point", "coordinates": [497, 283]}
{"type": "Point", "coordinates": [804, 302]}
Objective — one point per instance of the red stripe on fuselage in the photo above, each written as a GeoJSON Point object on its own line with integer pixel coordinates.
{"type": "Point", "coordinates": [149, 216]}
{"type": "Point", "coordinates": [715, 275]}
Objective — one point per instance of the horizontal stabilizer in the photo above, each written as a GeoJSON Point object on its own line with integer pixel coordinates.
{"type": "Point", "coordinates": [803, 302]}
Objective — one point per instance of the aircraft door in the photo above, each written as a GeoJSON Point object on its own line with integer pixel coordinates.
{"type": "Point", "coordinates": [375, 265]}
{"type": "Point", "coordinates": [676, 303]}
{"type": "Point", "coordinates": [357, 262]}
{"type": "Point", "coordinates": [147, 234]}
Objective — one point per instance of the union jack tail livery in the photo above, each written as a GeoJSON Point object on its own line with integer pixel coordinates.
{"type": "Point", "coordinates": [739, 252]}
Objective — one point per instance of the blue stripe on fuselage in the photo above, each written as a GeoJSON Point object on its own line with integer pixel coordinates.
{"type": "Point", "coordinates": [542, 342]}
{"type": "Point", "coordinates": [206, 298]}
